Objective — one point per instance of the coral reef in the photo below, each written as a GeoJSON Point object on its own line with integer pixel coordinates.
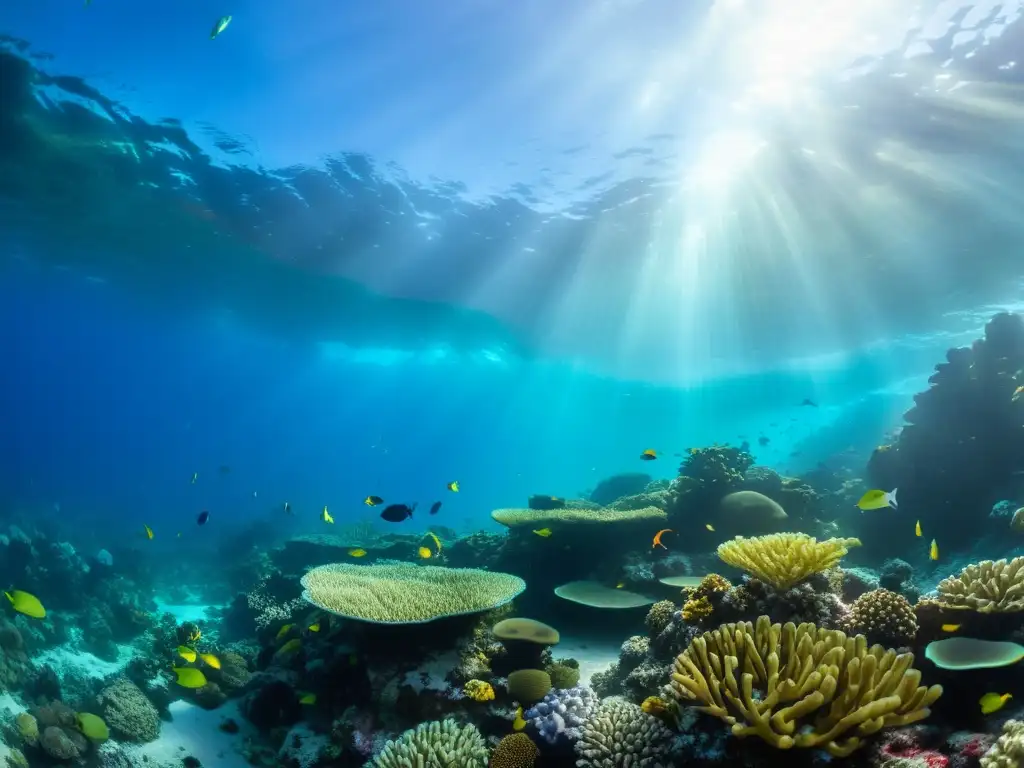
{"type": "Point", "coordinates": [883, 617]}
{"type": "Point", "coordinates": [620, 733]}
{"type": "Point", "coordinates": [784, 559]}
{"type": "Point", "coordinates": [1008, 751]}
{"type": "Point", "coordinates": [128, 713]}
{"type": "Point", "coordinates": [436, 743]}
{"type": "Point", "coordinates": [560, 715]}
{"type": "Point", "coordinates": [986, 587]}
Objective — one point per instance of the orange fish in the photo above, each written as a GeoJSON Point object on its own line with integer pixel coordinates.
{"type": "Point", "coordinates": [657, 538]}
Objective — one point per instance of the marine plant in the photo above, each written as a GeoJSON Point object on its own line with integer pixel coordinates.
{"type": "Point", "coordinates": [986, 587]}
{"type": "Point", "coordinates": [800, 686]}
{"type": "Point", "coordinates": [784, 559]}
{"type": "Point", "coordinates": [406, 593]}
{"type": "Point", "coordinates": [434, 745]}
{"type": "Point", "coordinates": [621, 733]}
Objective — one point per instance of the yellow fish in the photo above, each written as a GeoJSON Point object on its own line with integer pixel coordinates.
{"type": "Point", "coordinates": [933, 552]}
{"type": "Point", "coordinates": [877, 500]}
{"type": "Point", "coordinates": [27, 604]}
{"type": "Point", "coordinates": [545, 532]}
{"type": "Point", "coordinates": [308, 698]}
{"type": "Point", "coordinates": [326, 516]}
{"type": "Point", "coordinates": [188, 654]}
{"type": "Point", "coordinates": [710, 527]}
{"type": "Point", "coordinates": [950, 627]}
{"type": "Point", "coordinates": [518, 724]}
{"type": "Point", "coordinates": [993, 702]}
{"type": "Point", "coordinates": [373, 501]}
{"type": "Point", "coordinates": [314, 627]}
{"type": "Point", "coordinates": [210, 660]}
{"type": "Point", "coordinates": [357, 552]}
{"type": "Point", "coordinates": [283, 631]}
{"type": "Point", "coordinates": [189, 677]}
{"type": "Point", "coordinates": [454, 486]}
{"type": "Point", "coordinates": [149, 531]}
{"type": "Point", "coordinates": [917, 528]}
{"type": "Point", "coordinates": [290, 647]}
{"type": "Point", "coordinates": [437, 541]}
{"type": "Point", "coordinates": [92, 726]}
{"type": "Point", "coordinates": [424, 553]}
{"type": "Point", "coordinates": [195, 635]}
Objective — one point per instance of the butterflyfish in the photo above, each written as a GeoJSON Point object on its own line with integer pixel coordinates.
{"type": "Point", "coordinates": [357, 552]}
{"type": "Point", "coordinates": [373, 501]}
{"type": "Point", "coordinates": [326, 516]}
{"type": "Point", "coordinates": [308, 698]}
{"type": "Point", "coordinates": [877, 500]}
{"type": "Point", "coordinates": [27, 604]}
{"type": "Point", "coordinates": [950, 627]}
{"type": "Point", "coordinates": [314, 627]}
{"type": "Point", "coordinates": [148, 531]}
{"type": "Point", "coordinates": [917, 528]}
{"type": "Point", "coordinates": [543, 532]}
{"type": "Point", "coordinates": [425, 553]}
{"type": "Point", "coordinates": [210, 660]}
{"type": "Point", "coordinates": [649, 455]}
{"type": "Point", "coordinates": [453, 486]}
{"type": "Point", "coordinates": [933, 552]}
{"type": "Point", "coordinates": [518, 723]}
{"type": "Point", "coordinates": [993, 702]}
{"type": "Point", "coordinates": [437, 542]}
{"type": "Point", "coordinates": [657, 538]}
{"type": "Point", "coordinates": [220, 26]}
{"type": "Point", "coordinates": [189, 677]}
{"type": "Point", "coordinates": [284, 631]}
{"type": "Point", "coordinates": [188, 654]}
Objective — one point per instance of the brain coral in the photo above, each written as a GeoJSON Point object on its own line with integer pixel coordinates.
{"type": "Point", "coordinates": [537, 518]}
{"type": "Point", "coordinates": [884, 617]}
{"type": "Point", "coordinates": [516, 750]}
{"type": "Point", "coordinates": [435, 744]}
{"type": "Point", "coordinates": [784, 559]}
{"type": "Point", "coordinates": [986, 587]}
{"type": "Point", "coordinates": [128, 713]}
{"type": "Point", "coordinates": [406, 593]}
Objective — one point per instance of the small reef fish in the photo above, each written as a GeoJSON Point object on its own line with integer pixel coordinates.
{"type": "Point", "coordinates": [373, 501]}
{"type": "Point", "coordinates": [148, 531]}
{"type": "Point", "coordinates": [284, 631]}
{"type": "Point", "coordinates": [188, 654]}
{"type": "Point", "coordinates": [357, 552]}
{"type": "Point", "coordinates": [620, 585]}
{"type": "Point", "coordinates": [518, 723]}
{"type": "Point", "coordinates": [290, 647]}
{"type": "Point", "coordinates": [308, 698]}
{"type": "Point", "coordinates": [27, 604]}
{"type": "Point", "coordinates": [204, 516]}
{"type": "Point", "coordinates": [1018, 393]}
{"type": "Point", "coordinates": [189, 677]}
{"type": "Point", "coordinates": [877, 500]}
{"type": "Point", "coordinates": [326, 516]}
{"type": "Point", "coordinates": [397, 513]}
{"type": "Point", "coordinates": [710, 527]}
{"type": "Point", "coordinates": [220, 26]}
{"type": "Point", "coordinates": [811, 403]}
{"type": "Point", "coordinates": [993, 702]}
{"type": "Point", "coordinates": [314, 627]}
{"type": "Point", "coordinates": [917, 529]}
{"type": "Point", "coordinates": [656, 542]}
{"type": "Point", "coordinates": [195, 476]}
{"type": "Point", "coordinates": [435, 507]}
{"type": "Point", "coordinates": [437, 541]}
{"type": "Point", "coordinates": [288, 509]}
{"type": "Point", "coordinates": [543, 532]}
{"type": "Point", "coordinates": [92, 726]}
{"type": "Point", "coordinates": [210, 660]}
{"type": "Point", "coordinates": [425, 553]}
{"type": "Point", "coordinates": [763, 441]}
{"type": "Point", "coordinates": [933, 552]}
{"type": "Point", "coordinates": [649, 455]}
{"type": "Point", "coordinates": [453, 486]}
{"type": "Point", "coordinates": [950, 627]}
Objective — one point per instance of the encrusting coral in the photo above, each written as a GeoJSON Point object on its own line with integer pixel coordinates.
{"type": "Point", "coordinates": [784, 559]}
{"type": "Point", "coordinates": [986, 587]}
{"type": "Point", "coordinates": [406, 593]}
{"type": "Point", "coordinates": [434, 745]}
{"type": "Point", "coordinates": [1008, 751]}
{"type": "Point", "coordinates": [883, 617]}
{"type": "Point", "coordinates": [620, 733]}
{"type": "Point", "coordinates": [804, 676]}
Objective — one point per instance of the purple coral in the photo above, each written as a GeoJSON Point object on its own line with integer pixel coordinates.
{"type": "Point", "coordinates": [560, 715]}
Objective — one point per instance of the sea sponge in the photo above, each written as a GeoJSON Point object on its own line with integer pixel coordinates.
{"type": "Point", "coordinates": [986, 587]}
{"type": "Point", "coordinates": [621, 733]}
{"type": "Point", "coordinates": [516, 750]}
{"type": "Point", "coordinates": [479, 690]}
{"type": "Point", "coordinates": [528, 685]}
{"type": "Point", "coordinates": [563, 675]}
{"type": "Point", "coordinates": [800, 686]}
{"type": "Point", "coordinates": [883, 617]}
{"type": "Point", "coordinates": [128, 713]}
{"type": "Point", "coordinates": [406, 593]}
{"type": "Point", "coordinates": [434, 745]}
{"type": "Point", "coordinates": [784, 559]}
{"type": "Point", "coordinates": [558, 518]}
{"type": "Point", "coordinates": [1008, 751]}
{"type": "Point", "coordinates": [659, 616]}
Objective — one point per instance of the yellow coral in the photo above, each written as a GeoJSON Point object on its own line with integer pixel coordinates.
{"type": "Point", "coordinates": [695, 610]}
{"type": "Point", "coordinates": [666, 711]}
{"type": "Point", "coordinates": [479, 690]}
{"type": "Point", "coordinates": [711, 584]}
{"type": "Point", "coordinates": [986, 587]}
{"type": "Point", "coordinates": [784, 559]}
{"type": "Point", "coordinates": [800, 686]}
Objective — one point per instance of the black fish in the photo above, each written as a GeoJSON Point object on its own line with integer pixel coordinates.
{"type": "Point", "coordinates": [203, 517]}
{"type": "Point", "coordinates": [809, 402]}
{"type": "Point", "coordinates": [763, 441]}
{"type": "Point", "coordinates": [434, 507]}
{"type": "Point", "coordinates": [397, 513]}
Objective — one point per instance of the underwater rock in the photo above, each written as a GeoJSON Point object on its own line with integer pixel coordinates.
{"type": "Point", "coordinates": [619, 486]}
{"type": "Point", "coordinates": [545, 502]}
{"type": "Point", "coordinates": [272, 705]}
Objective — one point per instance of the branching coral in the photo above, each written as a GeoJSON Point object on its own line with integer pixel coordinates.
{"type": "Point", "coordinates": [784, 559]}
{"type": "Point", "coordinates": [986, 587]}
{"type": "Point", "coordinates": [405, 593]}
{"type": "Point", "coordinates": [815, 687]}
{"type": "Point", "coordinates": [435, 744]}
{"type": "Point", "coordinates": [883, 617]}
{"type": "Point", "coordinates": [536, 518]}
{"type": "Point", "coordinates": [1008, 751]}
{"type": "Point", "coordinates": [621, 733]}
